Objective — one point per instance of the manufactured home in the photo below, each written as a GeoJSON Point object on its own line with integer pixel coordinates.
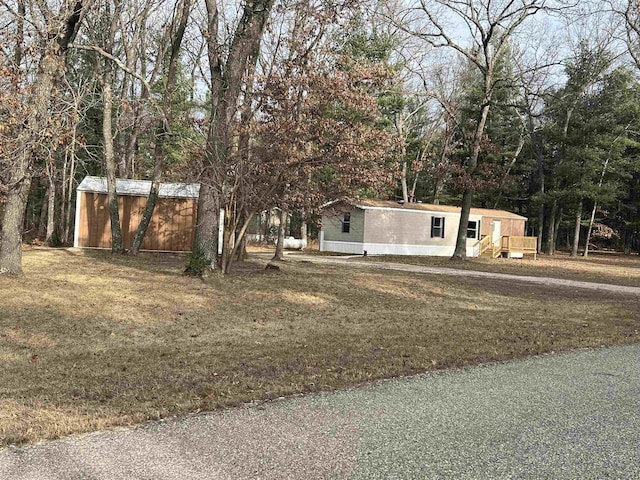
{"type": "Point", "coordinates": [377, 227]}
{"type": "Point", "coordinates": [172, 225]}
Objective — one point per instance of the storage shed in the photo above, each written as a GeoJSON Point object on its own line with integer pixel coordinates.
{"type": "Point", "coordinates": [381, 227]}
{"type": "Point", "coordinates": [172, 226]}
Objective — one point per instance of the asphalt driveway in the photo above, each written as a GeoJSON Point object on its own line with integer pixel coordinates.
{"type": "Point", "coordinates": [571, 416]}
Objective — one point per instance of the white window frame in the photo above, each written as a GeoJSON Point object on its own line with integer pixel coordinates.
{"type": "Point", "coordinates": [346, 223]}
{"type": "Point", "coordinates": [475, 229]}
{"type": "Point", "coordinates": [437, 231]}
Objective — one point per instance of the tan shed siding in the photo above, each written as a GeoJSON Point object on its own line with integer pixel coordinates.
{"type": "Point", "coordinates": [172, 226]}
{"type": "Point", "coordinates": [408, 228]}
{"type": "Point", "coordinates": [332, 226]}
{"type": "Point", "coordinates": [509, 226]}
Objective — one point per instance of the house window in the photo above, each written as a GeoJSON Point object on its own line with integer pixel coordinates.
{"type": "Point", "coordinates": [437, 227]}
{"type": "Point", "coordinates": [473, 228]}
{"type": "Point", "coordinates": [346, 223]}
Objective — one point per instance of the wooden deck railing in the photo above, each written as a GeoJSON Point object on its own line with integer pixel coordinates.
{"type": "Point", "coordinates": [514, 244]}
{"type": "Point", "coordinates": [483, 245]}
{"type": "Point", "coordinates": [506, 244]}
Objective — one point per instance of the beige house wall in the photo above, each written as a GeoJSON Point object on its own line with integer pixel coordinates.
{"type": "Point", "coordinates": [413, 228]}
{"type": "Point", "coordinates": [390, 231]}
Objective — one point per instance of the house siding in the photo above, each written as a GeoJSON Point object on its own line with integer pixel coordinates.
{"type": "Point", "coordinates": [413, 228]}
{"type": "Point", "coordinates": [332, 226]}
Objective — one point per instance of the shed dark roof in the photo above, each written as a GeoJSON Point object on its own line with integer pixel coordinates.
{"type": "Point", "coordinates": [140, 187]}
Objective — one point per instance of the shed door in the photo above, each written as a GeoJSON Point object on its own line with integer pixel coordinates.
{"type": "Point", "coordinates": [496, 231]}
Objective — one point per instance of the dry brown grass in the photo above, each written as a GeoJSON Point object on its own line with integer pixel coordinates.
{"type": "Point", "coordinates": [89, 341]}
{"type": "Point", "coordinates": [605, 268]}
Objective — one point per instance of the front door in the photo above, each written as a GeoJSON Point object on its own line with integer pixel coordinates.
{"type": "Point", "coordinates": [496, 231]}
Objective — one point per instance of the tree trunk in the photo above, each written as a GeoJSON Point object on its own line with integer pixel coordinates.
{"type": "Point", "coordinates": [239, 242]}
{"type": "Point", "coordinates": [552, 227]}
{"type": "Point", "coordinates": [576, 232]}
{"type": "Point", "coordinates": [540, 227]}
{"type": "Point", "coordinates": [281, 233]}
{"type": "Point", "coordinates": [44, 211]}
{"type": "Point", "coordinates": [556, 228]}
{"type": "Point", "coordinates": [117, 245]}
{"type": "Point", "coordinates": [51, 213]}
{"type": "Point", "coordinates": [162, 129]}
{"type": "Point", "coordinates": [304, 232]}
{"type": "Point", "coordinates": [152, 200]}
{"type": "Point", "coordinates": [205, 245]}
{"type": "Point", "coordinates": [627, 240]}
{"type": "Point", "coordinates": [412, 196]}
{"type": "Point", "coordinates": [227, 75]}
{"type": "Point", "coordinates": [405, 187]}
{"type": "Point", "coordinates": [460, 252]}
{"type": "Point", "coordinates": [12, 224]}
{"type": "Point", "coordinates": [590, 229]}
{"type": "Point", "coordinates": [68, 200]}
{"type": "Point", "coordinates": [437, 191]}
{"type": "Point", "coordinates": [62, 31]}
{"type": "Point", "coordinates": [506, 174]}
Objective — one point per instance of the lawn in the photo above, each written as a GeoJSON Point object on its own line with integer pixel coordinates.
{"type": "Point", "coordinates": [610, 268]}
{"type": "Point", "coordinates": [89, 341]}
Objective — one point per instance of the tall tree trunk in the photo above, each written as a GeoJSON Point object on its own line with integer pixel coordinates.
{"type": "Point", "coordinates": [403, 179]}
{"type": "Point", "coordinates": [628, 235]}
{"type": "Point", "coordinates": [162, 130]}
{"type": "Point", "coordinates": [412, 196]}
{"type": "Point", "coordinates": [576, 232]}
{"type": "Point", "coordinates": [44, 211]}
{"type": "Point", "coordinates": [437, 191]}
{"type": "Point", "coordinates": [590, 229]}
{"type": "Point", "coordinates": [68, 199]}
{"type": "Point", "coordinates": [227, 77]}
{"type": "Point", "coordinates": [538, 149]}
{"type": "Point", "coordinates": [117, 245]}
{"type": "Point", "coordinates": [205, 245]}
{"type": "Point", "coordinates": [556, 228]}
{"type": "Point", "coordinates": [12, 222]}
{"type": "Point", "coordinates": [552, 227]}
{"type": "Point", "coordinates": [303, 231]}
{"type": "Point", "coordinates": [540, 226]}
{"type": "Point", "coordinates": [284, 215]}
{"type": "Point", "coordinates": [503, 180]}
{"type": "Point", "coordinates": [460, 252]}
{"type": "Point", "coordinates": [62, 31]}
{"type": "Point", "coordinates": [51, 213]}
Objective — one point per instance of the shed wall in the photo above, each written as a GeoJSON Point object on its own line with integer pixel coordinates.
{"type": "Point", "coordinates": [172, 226]}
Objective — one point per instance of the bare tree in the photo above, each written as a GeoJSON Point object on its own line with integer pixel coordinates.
{"type": "Point", "coordinates": [175, 35]}
{"type": "Point", "coordinates": [55, 25]}
{"type": "Point", "coordinates": [229, 64]}
{"type": "Point", "coordinates": [489, 27]}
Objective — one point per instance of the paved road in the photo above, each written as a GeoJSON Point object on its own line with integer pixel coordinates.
{"type": "Point", "coordinates": [573, 416]}
{"type": "Point", "coordinates": [403, 267]}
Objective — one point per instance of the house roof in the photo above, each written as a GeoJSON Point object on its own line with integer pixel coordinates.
{"type": "Point", "coordinates": [390, 204]}
{"type": "Point", "coordinates": [140, 187]}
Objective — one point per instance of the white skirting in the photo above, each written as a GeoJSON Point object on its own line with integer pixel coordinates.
{"type": "Point", "coordinates": [358, 248]}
